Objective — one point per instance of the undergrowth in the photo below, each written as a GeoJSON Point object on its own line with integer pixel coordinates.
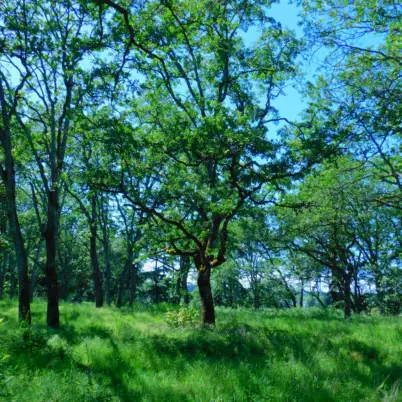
{"type": "Point", "coordinates": [133, 354]}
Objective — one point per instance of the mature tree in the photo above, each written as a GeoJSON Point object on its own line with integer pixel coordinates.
{"type": "Point", "coordinates": [343, 230]}
{"type": "Point", "coordinates": [55, 40]}
{"type": "Point", "coordinates": [11, 51]}
{"type": "Point", "coordinates": [89, 206]}
{"type": "Point", "coordinates": [202, 120]}
{"type": "Point", "coordinates": [362, 79]}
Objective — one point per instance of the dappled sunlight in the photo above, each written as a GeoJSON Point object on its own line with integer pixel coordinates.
{"type": "Point", "coordinates": [120, 355]}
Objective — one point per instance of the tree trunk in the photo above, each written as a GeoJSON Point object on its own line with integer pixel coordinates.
{"type": "Point", "coordinates": [133, 283]}
{"type": "Point", "coordinates": [348, 299]}
{"type": "Point", "coordinates": [204, 287]}
{"type": "Point", "coordinates": [301, 293]}
{"type": "Point", "coordinates": [24, 307]}
{"type": "Point", "coordinates": [11, 267]}
{"type": "Point", "coordinates": [155, 278]}
{"type": "Point", "coordinates": [379, 289]}
{"type": "Point", "coordinates": [317, 297]}
{"type": "Point", "coordinates": [290, 291]}
{"type": "Point", "coordinates": [334, 286]}
{"type": "Point", "coordinates": [181, 283]}
{"type": "Point", "coordinates": [3, 268]}
{"type": "Point", "coordinates": [256, 294]}
{"type": "Point", "coordinates": [122, 286]}
{"type": "Point", "coordinates": [53, 315]}
{"type": "Point", "coordinates": [35, 267]}
{"type": "Point", "coordinates": [177, 296]}
{"type": "Point", "coordinates": [107, 267]}
{"type": "Point", "coordinates": [360, 304]}
{"type": "Point", "coordinates": [106, 252]}
{"type": "Point", "coordinates": [8, 178]}
{"type": "Point", "coordinates": [96, 271]}
{"type": "Point", "coordinates": [127, 273]}
{"type": "Point", "coordinates": [184, 288]}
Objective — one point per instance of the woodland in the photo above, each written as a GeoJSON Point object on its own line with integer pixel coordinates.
{"type": "Point", "coordinates": [163, 206]}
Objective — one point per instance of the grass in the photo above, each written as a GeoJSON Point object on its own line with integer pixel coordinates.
{"type": "Point", "coordinates": [132, 355]}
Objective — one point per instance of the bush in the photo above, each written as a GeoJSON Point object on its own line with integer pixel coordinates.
{"type": "Point", "coordinates": [58, 345]}
{"type": "Point", "coordinates": [24, 339]}
{"type": "Point", "coordinates": [186, 316]}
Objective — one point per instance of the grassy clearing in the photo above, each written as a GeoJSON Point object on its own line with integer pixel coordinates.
{"type": "Point", "coordinates": [131, 354]}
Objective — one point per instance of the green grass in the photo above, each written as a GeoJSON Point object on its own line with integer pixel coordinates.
{"type": "Point", "coordinates": [132, 355]}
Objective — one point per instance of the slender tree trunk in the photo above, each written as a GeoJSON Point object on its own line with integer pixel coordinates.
{"type": "Point", "coordinates": [317, 297]}
{"type": "Point", "coordinates": [184, 288]}
{"type": "Point", "coordinates": [11, 268]}
{"type": "Point", "coordinates": [107, 266]}
{"type": "Point", "coordinates": [177, 296]}
{"type": "Point", "coordinates": [204, 287]}
{"type": "Point", "coordinates": [181, 283]}
{"type": "Point", "coordinates": [50, 235]}
{"type": "Point", "coordinates": [126, 274]}
{"type": "Point", "coordinates": [96, 271]}
{"type": "Point", "coordinates": [122, 286]}
{"type": "Point", "coordinates": [290, 291]}
{"type": "Point", "coordinates": [256, 297]}
{"type": "Point", "coordinates": [35, 267]}
{"type": "Point", "coordinates": [379, 289]}
{"type": "Point", "coordinates": [156, 282]}
{"type": "Point", "coordinates": [133, 283]}
{"type": "Point", "coordinates": [348, 299]}
{"type": "Point", "coordinates": [334, 286]}
{"type": "Point", "coordinates": [8, 178]}
{"type": "Point", "coordinates": [106, 250]}
{"type": "Point", "coordinates": [24, 307]}
{"type": "Point", "coordinates": [359, 297]}
{"type": "Point", "coordinates": [301, 293]}
{"type": "Point", "coordinates": [3, 268]}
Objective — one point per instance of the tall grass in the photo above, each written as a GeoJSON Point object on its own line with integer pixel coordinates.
{"type": "Point", "coordinates": [132, 355]}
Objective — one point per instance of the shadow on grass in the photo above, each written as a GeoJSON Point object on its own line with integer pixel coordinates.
{"type": "Point", "coordinates": [244, 350]}
{"type": "Point", "coordinates": [259, 345]}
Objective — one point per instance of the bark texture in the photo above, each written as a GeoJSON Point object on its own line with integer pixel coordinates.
{"type": "Point", "coordinates": [96, 271]}
{"type": "Point", "coordinates": [50, 235]}
{"type": "Point", "coordinates": [204, 287]}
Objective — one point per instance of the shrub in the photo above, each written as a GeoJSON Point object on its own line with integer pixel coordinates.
{"type": "Point", "coordinates": [186, 316]}
{"type": "Point", "coordinates": [58, 345]}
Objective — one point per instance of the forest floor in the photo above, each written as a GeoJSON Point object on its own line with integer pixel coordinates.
{"type": "Point", "coordinates": [132, 355]}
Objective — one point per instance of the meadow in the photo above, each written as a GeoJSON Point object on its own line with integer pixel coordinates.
{"type": "Point", "coordinates": [131, 354]}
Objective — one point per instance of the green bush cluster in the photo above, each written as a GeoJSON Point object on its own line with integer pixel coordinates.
{"type": "Point", "coordinates": [184, 317]}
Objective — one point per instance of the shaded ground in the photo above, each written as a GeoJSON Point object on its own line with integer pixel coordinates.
{"type": "Point", "coordinates": [130, 354]}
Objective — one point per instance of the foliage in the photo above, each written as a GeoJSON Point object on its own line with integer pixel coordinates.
{"type": "Point", "coordinates": [136, 136]}
{"type": "Point", "coordinates": [185, 316]}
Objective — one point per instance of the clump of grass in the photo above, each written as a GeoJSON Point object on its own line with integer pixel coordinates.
{"type": "Point", "coordinates": [132, 354]}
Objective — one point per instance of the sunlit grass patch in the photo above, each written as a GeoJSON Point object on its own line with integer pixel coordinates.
{"type": "Point", "coordinates": [132, 354]}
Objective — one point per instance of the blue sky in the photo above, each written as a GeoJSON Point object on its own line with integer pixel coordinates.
{"type": "Point", "coordinates": [291, 104]}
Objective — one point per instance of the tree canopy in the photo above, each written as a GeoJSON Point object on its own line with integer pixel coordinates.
{"type": "Point", "coordinates": [142, 153]}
